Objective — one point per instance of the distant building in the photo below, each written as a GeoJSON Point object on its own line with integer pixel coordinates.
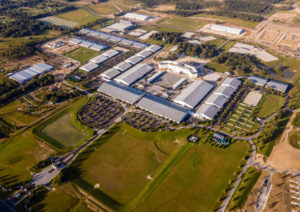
{"type": "Point", "coordinates": [122, 26]}
{"type": "Point", "coordinates": [218, 138]}
{"type": "Point", "coordinates": [55, 44]}
{"type": "Point", "coordinates": [232, 82]}
{"type": "Point", "coordinates": [27, 74]}
{"type": "Point", "coordinates": [278, 86]}
{"type": "Point", "coordinates": [260, 81]}
{"type": "Point", "coordinates": [89, 67]}
{"type": "Point", "coordinates": [137, 16]}
{"type": "Point", "coordinates": [181, 68]}
{"type": "Point", "coordinates": [207, 112]}
{"type": "Point", "coordinates": [227, 29]}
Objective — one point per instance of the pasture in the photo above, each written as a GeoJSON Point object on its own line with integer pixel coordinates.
{"type": "Point", "coordinates": [79, 16]}
{"type": "Point", "coordinates": [82, 54]}
{"type": "Point", "coordinates": [269, 104]}
{"type": "Point", "coordinates": [198, 181]}
{"type": "Point", "coordinates": [18, 155]}
{"type": "Point", "coordinates": [104, 9]}
{"type": "Point", "coordinates": [294, 139]}
{"type": "Point", "coordinates": [126, 160]}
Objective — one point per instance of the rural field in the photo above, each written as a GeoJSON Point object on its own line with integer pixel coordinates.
{"type": "Point", "coordinates": [134, 166]}
{"type": "Point", "coordinates": [80, 16]}
{"type": "Point", "coordinates": [63, 130]}
{"type": "Point", "coordinates": [203, 173]}
{"type": "Point", "coordinates": [125, 157]}
{"type": "Point", "coordinates": [18, 155]}
{"type": "Point", "coordinates": [82, 54]}
{"type": "Point", "coordinates": [269, 104]}
{"type": "Point", "coordinates": [104, 9]}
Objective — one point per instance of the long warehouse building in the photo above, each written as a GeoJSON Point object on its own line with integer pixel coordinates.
{"type": "Point", "coordinates": [124, 93]}
{"type": "Point", "coordinates": [163, 108]}
{"type": "Point", "coordinates": [134, 74]}
{"type": "Point", "coordinates": [194, 94]}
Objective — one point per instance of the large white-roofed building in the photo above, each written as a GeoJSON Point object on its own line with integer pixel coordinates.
{"type": "Point", "coordinates": [232, 82]}
{"type": "Point", "coordinates": [207, 112]}
{"type": "Point", "coordinates": [123, 66]}
{"type": "Point", "coordinates": [225, 91]}
{"type": "Point", "coordinates": [260, 81]}
{"type": "Point", "coordinates": [194, 94]}
{"type": "Point", "coordinates": [144, 53]}
{"type": "Point", "coordinates": [111, 53]}
{"type": "Point", "coordinates": [121, 92]}
{"type": "Point", "coordinates": [75, 41]}
{"type": "Point", "coordinates": [216, 100]}
{"type": "Point", "coordinates": [90, 66]}
{"type": "Point", "coordinates": [98, 47]}
{"type": "Point", "coordinates": [137, 16]}
{"type": "Point", "coordinates": [134, 74]}
{"type": "Point", "coordinates": [121, 26]}
{"type": "Point", "coordinates": [110, 73]}
{"type": "Point", "coordinates": [278, 86]}
{"type": "Point", "coordinates": [99, 59]}
{"type": "Point", "coordinates": [134, 59]}
{"type": "Point", "coordinates": [162, 107]}
{"type": "Point", "coordinates": [181, 68]}
{"type": "Point", "coordinates": [27, 74]}
{"type": "Point", "coordinates": [227, 29]}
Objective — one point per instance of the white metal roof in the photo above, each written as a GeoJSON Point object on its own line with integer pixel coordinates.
{"type": "Point", "coordinates": [207, 111]}
{"type": "Point", "coordinates": [261, 81]}
{"type": "Point", "coordinates": [134, 59]}
{"type": "Point", "coordinates": [99, 59]}
{"type": "Point", "coordinates": [227, 29]}
{"type": "Point", "coordinates": [137, 16]}
{"type": "Point", "coordinates": [41, 67]}
{"type": "Point", "coordinates": [144, 53]}
{"type": "Point", "coordinates": [75, 40]}
{"type": "Point", "coordinates": [226, 91]}
{"type": "Point", "coordinates": [111, 53]}
{"type": "Point", "coordinates": [110, 73]}
{"type": "Point", "coordinates": [121, 92]}
{"type": "Point", "coordinates": [232, 82]}
{"type": "Point", "coordinates": [134, 74]}
{"type": "Point", "coordinates": [279, 86]}
{"type": "Point", "coordinates": [154, 48]}
{"type": "Point", "coordinates": [123, 66]}
{"type": "Point", "coordinates": [86, 44]}
{"type": "Point", "coordinates": [90, 66]}
{"type": "Point", "coordinates": [194, 94]}
{"type": "Point", "coordinates": [162, 107]}
{"type": "Point", "coordinates": [216, 100]}
{"type": "Point", "coordinates": [98, 47]}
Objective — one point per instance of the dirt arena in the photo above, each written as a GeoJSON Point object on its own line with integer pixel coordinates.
{"type": "Point", "coordinates": [284, 156]}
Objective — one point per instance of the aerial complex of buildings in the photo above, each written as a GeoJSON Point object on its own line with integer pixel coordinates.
{"type": "Point", "coordinates": [273, 84]}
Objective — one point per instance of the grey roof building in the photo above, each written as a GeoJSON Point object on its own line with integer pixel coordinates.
{"type": "Point", "coordinates": [127, 42]}
{"type": "Point", "coordinates": [225, 91]}
{"type": "Point", "coordinates": [207, 111]}
{"type": "Point", "coordinates": [104, 36]}
{"type": "Point", "coordinates": [279, 86]}
{"type": "Point", "coordinates": [134, 74]}
{"type": "Point", "coordinates": [75, 41]}
{"type": "Point", "coordinates": [41, 68]}
{"type": "Point", "coordinates": [154, 48]}
{"type": "Point", "coordinates": [163, 108]}
{"type": "Point", "coordinates": [111, 53]}
{"type": "Point", "coordinates": [121, 92]}
{"type": "Point", "coordinates": [110, 73]}
{"type": "Point", "coordinates": [232, 82]}
{"type": "Point", "coordinates": [115, 38]}
{"type": "Point", "coordinates": [194, 94]}
{"type": "Point", "coordinates": [216, 100]}
{"type": "Point", "coordinates": [144, 53]}
{"type": "Point", "coordinates": [98, 47]}
{"type": "Point", "coordinates": [99, 59]}
{"type": "Point", "coordinates": [86, 44]}
{"type": "Point", "coordinates": [139, 45]}
{"type": "Point", "coordinates": [123, 66]}
{"type": "Point", "coordinates": [90, 66]}
{"type": "Point", "coordinates": [261, 81]}
{"type": "Point", "coordinates": [134, 59]}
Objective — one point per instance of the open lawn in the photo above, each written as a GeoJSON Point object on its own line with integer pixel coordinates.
{"type": "Point", "coordinates": [229, 20]}
{"type": "Point", "coordinates": [104, 9]}
{"type": "Point", "coordinates": [241, 194]}
{"type": "Point", "coordinates": [269, 104]}
{"type": "Point", "coordinates": [217, 67]}
{"type": "Point", "coordinates": [296, 120]}
{"type": "Point", "coordinates": [80, 16]}
{"type": "Point", "coordinates": [82, 54]}
{"type": "Point", "coordinates": [18, 155]}
{"type": "Point", "coordinates": [197, 182]}
{"type": "Point", "coordinates": [63, 130]}
{"type": "Point", "coordinates": [294, 139]}
{"type": "Point", "coordinates": [63, 198]}
{"type": "Point", "coordinates": [125, 157]}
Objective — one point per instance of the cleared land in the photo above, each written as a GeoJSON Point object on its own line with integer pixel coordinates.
{"type": "Point", "coordinates": [125, 157]}
{"type": "Point", "coordinates": [82, 54]}
{"type": "Point", "coordinates": [269, 104]}
{"type": "Point", "coordinates": [294, 139]}
{"type": "Point", "coordinates": [79, 16]}
{"type": "Point", "coordinates": [104, 9]}
{"type": "Point", "coordinates": [197, 182]}
{"type": "Point", "coordinates": [18, 155]}
{"type": "Point", "coordinates": [63, 130]}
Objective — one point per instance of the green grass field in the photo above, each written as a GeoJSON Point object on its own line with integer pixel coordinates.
{"type": "Point", "coordinates": [241, 194]}
{"type": "Point", "coordinates": [269, 104]}
{"type": "Point", "coordinates": [296, 120]}
{"type": "Point", "coordinates": [197, 182]}
{"type": "Point", "coordinates": [17, 156]}
{"type": "Point", "coordinates": [63, 198]}
{"type": "Point", "coordinates": [294, 139]}
{"type": "Point", "coordinates": [82, 54]}
{"type": "Point", "coordinates": [80, 16]}
{"type": "Point", "coordinates": [217, 67]}
{"type": "Point", "coordinates": [125, 156]}
{"type": "Point", "coordinates": [63, 130]}
{"type": "Point", "coordinates": [104, 9]}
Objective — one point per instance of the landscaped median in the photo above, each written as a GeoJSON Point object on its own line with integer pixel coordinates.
{"type": "Point", "coordinates": [63, 131]}
{"type": "Point", "coordinates": [145, 171]}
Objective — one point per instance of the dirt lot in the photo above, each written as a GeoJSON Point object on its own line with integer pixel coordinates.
{"type": "Point", "coordinates": [284, 156]}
